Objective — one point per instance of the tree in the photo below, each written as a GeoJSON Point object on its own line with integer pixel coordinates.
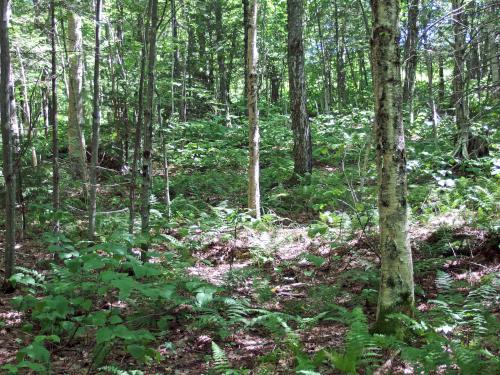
{"type": "Point", "coordinates": [147, 152]}
{"type": "Point", "coordinates": [302, 148]}
{"type": "Point", "coordinates": [219, 34]}
{"type": "Point", "coordinates": [459, 97]}
{"type": "Point", "coordinates": [138, 131]}
{"type": "Point", "coordinates": [253, 112]}
{"type": "Point", "coordinates": [410, 55]}
{"type": "Point", "coordinates": [396, 292]}
{"type": "Point", "coordinates": [96, 122]}
{"type": "Point", "coordinates": [56, 200]}
{"type": "Point", "coordinates": [6, 97]}
{"type": "Point", "coordinates": [76, 140]}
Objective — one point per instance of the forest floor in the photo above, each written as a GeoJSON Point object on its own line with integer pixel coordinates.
{"type": "Point", "coordinates": [282, 270]}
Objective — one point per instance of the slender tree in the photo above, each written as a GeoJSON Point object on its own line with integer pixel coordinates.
{"type": "Point", "coordinates": [302, 148]}
{"type": "Point", "coordinates": [219, 35]}
{"type": "Point", "coordinates": [76, 139]}
{"type": "Point", "coordinates": [138, 131]}
{"type": "Point", "coordinates": [147, 152]}
{"type": "Point", "coordinates": [253, 112]}
{"type": "Point", "coordinates": [96, 121]}
{"type": "Point", "coordinates": [396, 292]}
{"type": "Point", "coordinates": [56, 201]}
{"type": "Point", "coordinates": [459, 96]}
{"type": "Point", "coordinates": [411, 56]}
{"type": "Point", "coordinates": [6, 97]}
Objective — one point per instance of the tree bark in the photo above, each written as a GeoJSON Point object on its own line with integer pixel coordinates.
{"type": "Point", "coordinates": [459, 96]}
{"type": "Point", "coordinates": [96, 122]}
{"type": "Point", "coordinates": [253, 112]}
{"type": "Point", "coordinates": [410, 56]}
{"type": "Point", "coordinates": [494, 57]}
{"type": "Point", "coordinates": [6, 97]}
{"type": "Point", "coordinates": [325, 62]}
{"type": "Point", "coordinates": [76, 139]}
{"type": "Point", "coordinates": [147, 152]}
{"type": "Point", "coordinates": [340, 64]}
{"type": "Point", "coordinates": [302, 149]}
{"type": "Point", "coordinates": [441, 91]}
{"type": "Point", "coordinates": [245, 43]}
{"type": "Point", "coordinates": [56, 200]}
{"type": "Point", "coordinates": [138, 132]}
{"type": "Point", "coordinates": [219, 37]}
{"type": "Point", "coordinates": [396, 292]}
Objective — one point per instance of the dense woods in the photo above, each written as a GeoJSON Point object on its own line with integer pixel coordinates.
{"type": "Point", "coordinates": [249, 187]}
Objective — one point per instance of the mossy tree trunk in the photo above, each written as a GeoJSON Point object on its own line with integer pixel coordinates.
{"type": "Point", "coordinates": [396, 292]}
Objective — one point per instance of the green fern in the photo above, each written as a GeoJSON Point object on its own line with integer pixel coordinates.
{"type": "Point", "coordinates": [221, 363]}
{"type": "Point", "coordinates": [360, 347]}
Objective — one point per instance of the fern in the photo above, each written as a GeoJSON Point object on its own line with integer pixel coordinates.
{"type": "Point", "coordinates": [360, 346]}
{"type": "Point", "coordinates": [221, 363]}
{"type": "Point", "coordinates": [443, 281]}
{"type": "Point", "coordinates": [236, 310]}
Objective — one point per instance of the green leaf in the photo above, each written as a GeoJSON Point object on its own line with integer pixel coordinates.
{"type": "Point", "coordinates": [115, 319]}
{"type": "Point", "coordinates": [104, 334]}
{"type": "Point", "coordinates": [137, 351]}
{"type": "Point", "coordinates": [125, 285]}
{"type": "Point", "coordinates": [94, 263]}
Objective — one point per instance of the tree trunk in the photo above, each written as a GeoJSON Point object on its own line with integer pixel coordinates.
{"type": "Point", "coordinates": [340, 65]}
{"type": "Point", "coordinates": [176, 68]}
{"type": "Point", "coordinates": [6, 97]}
{"type": "Point", "coordinates": [459, 96]}
{"type": "Point", "coordinates": [245, 42]}
{"type": "Point", "coordinates": [253, 113]}
{"type": "Point", "coordinates": [430, 92]}
{"type": "Point", "coordinates": [56, 203]}
{"type": "Point", "coordinates": [410, 56]}
{"type": "Point", "coordinates": [96, 122]}
{"type": "Point", "coordinates": [219, 37]}
{"type": "Point", "coordinates": [396, 294]}
{"type": "Point", "coordinates": [302, 149]}
{"type": "Point", "coordinates": [494, 57]}
{"type": "Point", "coordinates": [441, 92]}
{"type": "Point", "coordinates": [76, 139]}
{"type": "Point", "coordinates": [147, 152]}
{"type": "Point", "coordinates": [325, 61]}
{"type": "Point", "coordinates": [138, 133]}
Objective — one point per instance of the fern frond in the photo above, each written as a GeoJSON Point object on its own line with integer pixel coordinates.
{"type": "Point", "coordinates": [221, 363]}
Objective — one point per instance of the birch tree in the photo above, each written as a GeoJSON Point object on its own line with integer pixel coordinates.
{"type": "Point", "coordinates": [396, 292]}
